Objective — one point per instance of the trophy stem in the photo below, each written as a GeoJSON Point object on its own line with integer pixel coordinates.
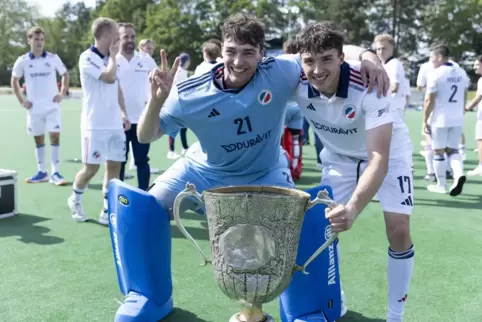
{"type": "Point", "coordinates": [251, 313]}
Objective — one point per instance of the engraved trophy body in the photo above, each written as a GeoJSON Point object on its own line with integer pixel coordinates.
{"type": "Point", "coordinates": [254, 233]}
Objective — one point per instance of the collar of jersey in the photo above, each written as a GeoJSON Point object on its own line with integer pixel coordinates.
{"type": "Point", "coordinates": [447, 64]}
{"type": "Point", "coordinates": [389, 58]}
{"type": "Point", "coordinates": [96, 51]}
{"type": "Point", "coordinates": [32, 56]}
{"type": "Point", "coordinates": [343, 83]}
{"type": "Point", "coordinates": [218, 72]}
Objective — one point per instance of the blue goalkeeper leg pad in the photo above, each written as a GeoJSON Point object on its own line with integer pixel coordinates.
{"type": "Point", "coordinates": [141, 240]}
{"type": "Point", "coordinates": [317, 296]}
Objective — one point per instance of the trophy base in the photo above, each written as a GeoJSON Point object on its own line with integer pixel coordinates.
{"type": "Point", "coordinates": [239, 317]}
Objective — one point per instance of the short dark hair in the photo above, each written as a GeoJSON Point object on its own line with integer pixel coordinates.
{"type": "Point", "coordinates": [441, 50]}
{"type": "Point", "coordinates": [126, 25]}
{"type": "Point", "coordinates": [318, 37]}
{"type": "Point", "coordinates": [289, 47]}
{"type": "Point", "coordinates": [244, 29]}
{"type": "Point", "coordinates": [479, 58]}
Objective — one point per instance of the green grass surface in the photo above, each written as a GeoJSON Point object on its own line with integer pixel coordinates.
{"type": "Point", "coordinates": [54, 269]}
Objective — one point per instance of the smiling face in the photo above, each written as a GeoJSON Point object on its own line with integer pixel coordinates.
{"type": "Point", "coordinates": [323, 69]}
{"type": "Point", "coordinates": [127, 39]}
{"type": "Point", "coordinates": [478, 66]}
{"type": "Point", "coordinates": [240, 62]}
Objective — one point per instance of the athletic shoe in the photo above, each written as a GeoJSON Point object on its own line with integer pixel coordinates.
{"type": "Point", "coordinates": [173, 155]}
{"type": "Point", "coordinates": [437, 188]}
{"type": "Point", "coordinates": [57, 179]}
{"type": "Point", "coordinates": [476, 172]}
{"type": "Point", "coordinates": [77, 209]}
{"type": "Point", "coordinates": [104, 217]}
{"type": "Point", "coordinates": [431, 177]}
{"type": "Point", "coordinates": [456, 188]}
{"type": "Point", "coordinates": [39, 177]}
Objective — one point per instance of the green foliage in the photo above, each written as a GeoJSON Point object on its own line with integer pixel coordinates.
{"type": "Point", "coordinates": [182, 26]}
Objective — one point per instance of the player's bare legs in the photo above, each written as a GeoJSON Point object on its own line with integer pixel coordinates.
{"type": "Point", "coordinates": [462, 147]}
{"type": "Point", "coordinates": [428, 156]}
{"type": "Point", "coordinates": [112, 171]}
{"type": "Point", "coordinates": [400, 263]}
{"type": "Point", "coordinates": [79, 186]}
{"type": "Point", "coordinates": [55, 176]}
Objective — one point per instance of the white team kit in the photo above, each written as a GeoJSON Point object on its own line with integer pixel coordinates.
{"type": "Point", "coordinates": [134, 81]}
{"type": "Point", "coordinates": [103, 137]}
{"type": "Point", "coordinates": [40, 74]}
{"type": "Point", "coordinates": [478, 125]}
{"type": "Point", "coordinates": [340, 123]}
{"type": "Point", "coordinates": [396, 74]}
{"type": "Point", "coordinates": [450, 83]}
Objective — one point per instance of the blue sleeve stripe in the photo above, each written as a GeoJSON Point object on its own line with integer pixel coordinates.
{"type": "Point", "coordinates": [267, 60]}
{"type": "Point", "coordinates": [193, 82]}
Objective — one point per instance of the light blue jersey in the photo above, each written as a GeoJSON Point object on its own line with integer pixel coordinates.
{"type": "Point", "coordinates": [239, 130]}
{"type": "Point", "coordinates": [293, 118]}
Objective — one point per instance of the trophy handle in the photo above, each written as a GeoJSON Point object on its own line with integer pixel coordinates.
{"type": "Point", "coordinates": [321, 198]}
{"type": "Point", "coordinates": [190, 191]}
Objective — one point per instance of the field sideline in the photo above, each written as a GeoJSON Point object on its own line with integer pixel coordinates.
{"type": "Point", "coordinates": [57, 270]}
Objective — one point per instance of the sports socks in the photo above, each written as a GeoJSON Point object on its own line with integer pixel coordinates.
{"type": "Point", "coordinates": [456, 163]}
{"type": "Point", "coordinates": [440, 168]}
{"type": "Point", "coordinates": [429, 159]}
{"type": "Point", "coordinates": [54, 157]}
{"type": "Point", "coordinates": [77, 193]}
{"type": "Point", "coordinates": [40, 156]}
{"type": "Point", "coordinates": [105, 192]}
{"type": "Point", "coordinates": [296, 151]}
{"type": "Point", "coordinates": [399, 273]}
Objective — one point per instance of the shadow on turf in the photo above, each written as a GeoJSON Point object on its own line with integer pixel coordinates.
{"type": "Point", "coordinates": [358, 317]}
{"type": "Point", "coordinates": [23, 226]}
{"type": "Point", "coordinates": [178, 315]}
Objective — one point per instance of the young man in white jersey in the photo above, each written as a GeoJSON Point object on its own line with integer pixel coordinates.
{"type": "Point", "coordinates": [384, 45]}
{"type": "Point", "coordinates": [134, 69]}
{"type": "Point", "coordinates": [367, 150]}
{"type": "Point", "coordinates": [104, 117]}
{"type": "Point", "coordinates": [443, 118]}
{"type": "Point", "coordinates": [477, 101]}
{"type": "Point", "coordinates": [211, 51]}
{"type": "Point", "coordinates": [39, 69]}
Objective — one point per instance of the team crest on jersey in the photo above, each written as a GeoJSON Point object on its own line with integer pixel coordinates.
{"type": "Point", "coordinates": [264, 97]}
{"type": "Point", "coordinates": [349, 112]}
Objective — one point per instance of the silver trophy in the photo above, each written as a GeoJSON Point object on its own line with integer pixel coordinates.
{"type": "Point", "coordinates": [254, 233]}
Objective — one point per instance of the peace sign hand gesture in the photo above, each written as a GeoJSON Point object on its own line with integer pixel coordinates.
{"type": "Point", "coordinates": [161, 79]}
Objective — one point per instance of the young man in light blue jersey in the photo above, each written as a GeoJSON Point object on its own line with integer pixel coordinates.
{"type": "Point", "coordinates": [237, 111]}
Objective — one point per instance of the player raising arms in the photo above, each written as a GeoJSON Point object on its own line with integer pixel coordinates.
{"type": "Point", "coordinates": [39, 69]}
{"type": "Point", "coordinates": [444, 106]}
{"type": "Point", "coordinates": [104, 116]}
{"type": "Point", "coordinates": [365, 152]}
{"type": "Point", "coordinates": [237, 111]}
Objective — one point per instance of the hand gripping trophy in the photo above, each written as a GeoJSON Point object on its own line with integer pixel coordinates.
{"type": "Point", "coordinates": [254, 233]}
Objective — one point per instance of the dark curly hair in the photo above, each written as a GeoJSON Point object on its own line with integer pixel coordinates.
{"type": "Point", "coordinates": [318, 37]}
{"type": "Point", "coordinates": [244, 29]}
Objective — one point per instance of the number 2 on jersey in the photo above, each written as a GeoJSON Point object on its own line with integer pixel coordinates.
{"type": "Point", "coordinates": [244, 125]}
{"type": "Point", "coordinates": [454, 91]}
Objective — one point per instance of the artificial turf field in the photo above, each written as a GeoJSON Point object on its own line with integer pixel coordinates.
{"type": "Point", "coordinates": [54, 269]}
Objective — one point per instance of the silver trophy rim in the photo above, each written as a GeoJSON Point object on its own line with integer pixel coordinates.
{"type": "Point", "coordinates": [258, 189]}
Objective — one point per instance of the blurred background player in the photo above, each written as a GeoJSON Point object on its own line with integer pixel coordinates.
{"type": "Point", "coordinates": [146, 46]}
{"type": "Point", "coordinates": [134, 69]}
{"type": "Point", "coordinates": [443, 118]}
{"type": "Point", "coordinates": [181, 75]}
{"type": "Point", "coordinates": [104, 117]}
{"type": "Point", "coordinates": [39, 69]}
{"type": "Point", "coordinates": [211, 52]}
{"type": "Point", "coordinates": [384, 45]}
{"type": "Point", "coordinates": [293, 127]}
{"type": "Point", "coordinates": [478, 126]}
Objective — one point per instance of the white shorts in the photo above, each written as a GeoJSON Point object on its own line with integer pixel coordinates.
{"type": "Point", "coordinates": [39, 124]}
{"type": "Point", "coordinates": [446, 137]}
{"type": "Point", "coordinates": [478, 130]}
{"type": "Point", "coordinates": [341, 173]}
{"type": "Point", "coordinates": [99, 146]}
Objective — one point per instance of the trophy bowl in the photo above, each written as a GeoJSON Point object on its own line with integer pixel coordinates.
{"type": "Point", "coordinates": [254, 233]}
